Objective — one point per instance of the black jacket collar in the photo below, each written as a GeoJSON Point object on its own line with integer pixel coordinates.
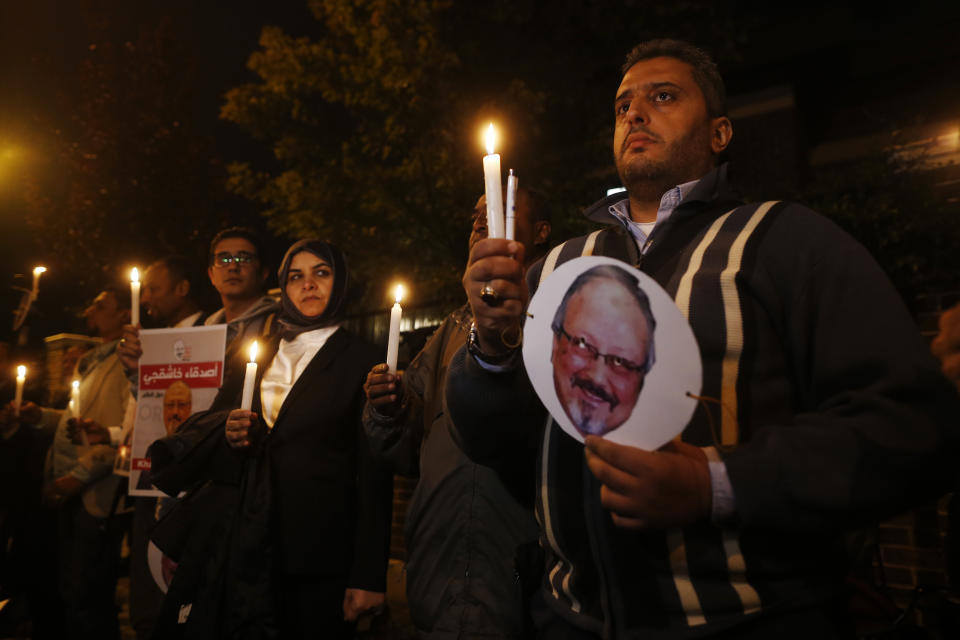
{"type": "Point", "coordinates": [711, 188]}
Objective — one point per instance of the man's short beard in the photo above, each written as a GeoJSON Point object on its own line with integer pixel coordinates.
{"type": "Point", "coordinates": [584, 421]}
{"type": "Point", "coordinates": [647, 181]}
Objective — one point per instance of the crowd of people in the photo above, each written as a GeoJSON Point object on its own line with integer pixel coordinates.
{"type": "Point", "coordinates": [833, 415]}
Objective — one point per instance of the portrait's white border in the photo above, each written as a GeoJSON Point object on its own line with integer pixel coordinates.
{"type": "Point", "coordinates": [663, 408]}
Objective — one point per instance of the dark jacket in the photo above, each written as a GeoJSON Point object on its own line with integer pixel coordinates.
{"type": "Point", "coordinates": [835, 415]}
{"type": "Point", "coordinates": [469, 529]}
{"type": "Point", "coordinates": [307, 499]}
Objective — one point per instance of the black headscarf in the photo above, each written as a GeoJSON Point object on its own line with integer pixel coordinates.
{"type": "Point", "coordinates": [292, 323]}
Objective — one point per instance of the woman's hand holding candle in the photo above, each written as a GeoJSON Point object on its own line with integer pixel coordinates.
{"type": "Point", "coordinates": [240, 427]}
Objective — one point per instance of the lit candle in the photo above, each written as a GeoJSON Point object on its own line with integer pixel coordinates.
{"type": "Point", "coordinates": [134, 297]}
{"type": "Point", "coordinates": [18, 398]}
{"type": "Point", "coordinates": [494, 192]}
{"type": "Point", "coordinates": [36, 281]}
{"type": "Point", "coordinates": [75, 406]}
{"type": "Point", "coordinates": [250, 379]}
{"type": "Point", "coordinates": [511, 206]}
{"type": "Point", "coordinates": [393, 343]}
{"type": "Point", "coordinates": [75, 398]}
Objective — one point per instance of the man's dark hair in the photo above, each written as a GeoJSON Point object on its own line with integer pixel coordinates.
{"type": "Point", "coordinates": [539, 212]}
{"type": "Point", "coordinates": [183, 268]}
{"type": "Point", "coordinates": [705, 72]}
{"type": "Point", "coordinates": [629, 282]}
{"type": "Point", "coordinates": [246, 233]}
{"type": "Point", "coordinates": [539, 205]}
{"type": "Point", "coordinates": [121, 294]}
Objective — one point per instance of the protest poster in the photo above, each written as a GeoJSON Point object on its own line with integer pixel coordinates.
{"type": "Point", "coordinates": [180, 372]}
{"type": "Point", "coordinates": [610, 354]}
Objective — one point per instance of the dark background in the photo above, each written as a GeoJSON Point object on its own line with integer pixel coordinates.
{"type": "Point", "coordinates": [854, 86]}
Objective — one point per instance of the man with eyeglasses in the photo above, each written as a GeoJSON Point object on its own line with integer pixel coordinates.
{"type": "Point", "coordinates": [602, 348]}
{"type": "Point", "coordinates": [238, 274]}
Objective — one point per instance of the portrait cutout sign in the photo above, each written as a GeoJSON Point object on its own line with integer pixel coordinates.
{"type": "Point", "coordinates": [180, 372]}
{"type": "Point", "coordinates": [610, 354]}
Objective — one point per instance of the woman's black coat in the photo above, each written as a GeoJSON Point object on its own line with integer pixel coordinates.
{"type": "Point", "coordinates": [306, 499]}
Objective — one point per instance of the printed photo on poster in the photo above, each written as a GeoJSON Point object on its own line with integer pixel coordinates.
{"type": "Point", "coordinates": [181, 371]}
{"type": "Point", "coordinates": [610, 354]}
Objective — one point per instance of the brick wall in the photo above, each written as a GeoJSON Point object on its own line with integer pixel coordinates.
{"type": "Point", "coordinates": [911, 563]}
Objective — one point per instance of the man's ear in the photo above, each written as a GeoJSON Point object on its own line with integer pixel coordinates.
{"type": "Point", "coordinates": [541, 232]}
{"type": "Point", "coordinates": [264, 274]}
{"type": "Point", "coordinates": [556, 345]}
{"type": "Point", "coordinates": [721, 134]}
{"type": "Point", "coordinates": [182, 289]}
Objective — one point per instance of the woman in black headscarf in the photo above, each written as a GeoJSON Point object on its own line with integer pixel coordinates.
{"type": "Point", "coordinates": [313, 509]}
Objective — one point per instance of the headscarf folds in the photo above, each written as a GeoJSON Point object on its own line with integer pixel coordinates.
{"type": "Point", "coordinates": [291, 321]}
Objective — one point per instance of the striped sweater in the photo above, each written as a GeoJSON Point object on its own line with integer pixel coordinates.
{"type": "Point", "coordinates": [830, 414]}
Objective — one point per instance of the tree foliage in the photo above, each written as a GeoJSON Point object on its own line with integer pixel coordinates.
{"type": "Point", "coordinates": [375, 120]}
{"type": "Point", "coordinates": [896, 211]}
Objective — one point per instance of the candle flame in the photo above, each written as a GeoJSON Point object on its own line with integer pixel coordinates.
{"type": "Point", "coordinates": [38, 270]}
{"type": "Point", "coordinates": [490, 138]}
{"type": "Point", "coordinates": [398, 293]}
{"type": "Point", "coordinates": [134, 275]}
{"type": "Point", "coordinates": [21, 372]}
{"type": "Point", "coordinates": [253, 351]}
{"type": "Point", "coordinates": [76, 385]}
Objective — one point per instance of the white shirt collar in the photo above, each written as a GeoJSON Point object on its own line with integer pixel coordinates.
{"type": "Point", "coordinates": [311, 338]}
{"type": "Point", "coordinates": [669, 201]}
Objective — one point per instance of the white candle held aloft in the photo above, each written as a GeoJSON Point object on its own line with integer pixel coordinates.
{"type": "Point", "coordinates": [36, 281]}
{"type": "Point", "coordinates": [18, 397]}
{"type": "Point", "coordinates": [249, 379]}
{"type": "Point", "coordinates": [393, 342]}
{"type": "Point", "coordinates": [494, 192]}
{"type": "Point", "coordinates": [75, 407]}
{"type": "Point", "coordinates": [511, 232]}
{"type": "Point", "coordinates": [134, 297]}
{"type": "Point", "coordinates": [75, 398]}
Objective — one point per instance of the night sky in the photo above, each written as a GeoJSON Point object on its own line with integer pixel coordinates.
{"type": "Point", "coordinates": [852, 71]}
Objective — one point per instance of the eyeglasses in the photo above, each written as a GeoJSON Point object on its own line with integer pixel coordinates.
{"type": "Point", "coordinates": [584, 350]}
{"type": "Point", "coordinates": [223, 259]}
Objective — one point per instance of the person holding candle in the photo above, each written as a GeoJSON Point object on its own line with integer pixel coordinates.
{"type": "Point", "coordinates": [28, 531]}
{"type": "Point", "coordinates": [827, 412]}
{"type": "Point", "coordinates": [170, 295]}
{"type": "Point", "coordinates": [81, 483]}
{"type": "Point", "coordinates": [459, 509]}
{"type": "Point", "coordinates": [310, 486]}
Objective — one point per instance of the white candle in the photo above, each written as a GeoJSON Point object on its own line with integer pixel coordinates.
{"type": "Point", "coordinates": [75, 406]}
{"type": "Point", "coordinates": [494, 192]}
{"type": "Point", "coordinates": [75, 398]}
{"type": "Point", "coordinates": [250, 379]}
{"type": "Point", "coordinates": [36, 281]}
{"type": "Point", "coordinates": [134, 297]}
{"type": "Point", "coordinates": [18, 398]}
{"type": "Point", "coordinates": [511, 206]}
{"type": "Point", "coordinates": [393, 343]}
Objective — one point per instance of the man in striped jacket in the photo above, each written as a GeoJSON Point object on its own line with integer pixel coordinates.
{"type": "Point", "coordinates": [829, 412]}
